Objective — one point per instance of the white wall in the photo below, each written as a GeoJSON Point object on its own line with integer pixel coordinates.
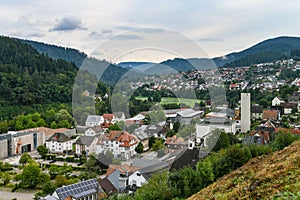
{"type": "Point", "coordinates": [136, 179]}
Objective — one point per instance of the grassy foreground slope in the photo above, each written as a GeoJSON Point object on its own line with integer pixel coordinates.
{"type": "Point", "coordinates": [261, 178]}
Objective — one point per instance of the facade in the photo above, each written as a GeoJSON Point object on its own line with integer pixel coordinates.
{"type": "Point", "coordinates": [16, 143]}
{"type": "Point", "coordinates": [59, 142]}
{"type": "Point", "coordinates": [256, 112]}
{"type": "Point", "coordinates": [119, 143]}
{"type": "Point", "coordinates": [277, 101]}
{"type": "Point", "coordinates": [85, 143]}
{"type": "Point", "coordinates": [93, 131]}
{"type": "Point", "coordinates": [245, 112]}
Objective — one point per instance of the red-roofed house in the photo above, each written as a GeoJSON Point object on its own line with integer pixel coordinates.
{"type": "Point", "coordinates": [119, 143]}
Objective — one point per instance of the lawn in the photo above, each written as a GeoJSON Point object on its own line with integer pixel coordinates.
{"type": "Point", "coordinates": [168, 100]}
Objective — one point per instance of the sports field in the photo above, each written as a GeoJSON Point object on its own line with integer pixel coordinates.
{"type": "Point", "coordinates": [168, 100]}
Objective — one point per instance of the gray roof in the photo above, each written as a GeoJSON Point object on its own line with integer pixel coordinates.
{"type": "Point", "coordinates": [189, 113]}
{"type": "Point", "coordinates": [85, 140]}
{"type": "Point", "coordinates": [79, 190]}
{"type": "Point", "coordinates": [93, 119]}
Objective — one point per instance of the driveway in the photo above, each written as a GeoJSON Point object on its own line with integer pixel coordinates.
{"type": "Point", "coordinates": [6, 194]}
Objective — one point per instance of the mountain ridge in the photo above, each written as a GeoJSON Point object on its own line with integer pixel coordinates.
{"type": "Point", "coordinates": [268, 50]}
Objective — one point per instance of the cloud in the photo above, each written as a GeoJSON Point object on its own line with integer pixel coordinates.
{"type": "Point", "coordinates": [126, 37]}
{"type": "Point", "coordinates": [35, 35]}
{"type": "Point", "coordinates": [68, 23]}
{"type": "Point", "coordinates": [211, 40]}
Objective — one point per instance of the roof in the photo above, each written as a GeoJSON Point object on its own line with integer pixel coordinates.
{"type": "Point", "coordinates": [108, 117]}
{"type": "Point", "coordinates": [124, 169]}
{"type": "Point", "coordinates": [189, 113]}
{"type": "Point", "coordinates": [104, 160]}
{"type": "Point", "coordinates": [85, 140]}
{"type": "Point", "coordinates": [256, 109]}
{"type": "Point", "coordinates": [47, 131]}
{"type": "Point", "coordinates": [59, 137]}
{"type": "Point", "coordinates": [125, 138]}
{"type": "Point", "coordinates": [137, 117]}
{"type": "Point", "coordinates": [187, 157]}
{"type": "Point", "coordinates": [93, 119]}
{"type": "Point", "coordinates": [270, 114]}
{"type": "Point", "coordinates": [148, 171]}
{"type": "Point", "coordinates": [78, 190]}
{"type": "Point", "coordinates": [174, 140]}
{"type": "Point", "coordinates": [107, 186]}
{"type": "Point", "coordinates": [97, 129]}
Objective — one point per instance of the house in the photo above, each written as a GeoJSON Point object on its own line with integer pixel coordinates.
{"type": "Point", "coordinates": [175, 142]}
{"type": "Point", "coordinates": [143, 137]}
{"type": "Point", "coordinates": [261, 135]}
{"type": "Point", "coordinates": [94, 131]}
{"type": "Point", "coordinates": [186, 116]}
{"type": "Point", "coordinates": [107, 186]}
{"type": "Point", "coordinates": [138, 119]}
{"type": "Point", "coordinates": [234, 86]}
{"type": "Point", "coordinates": [287, 108]}
{"type": "Point", "coordinates": [109, 118]}
{"type": "Point", "coordinates": [118, 175]}
{"type": "Point", "coordinates": [119, 143]}
{"type": "Point", "coordinates": [16, 143]}
{"type": "Point", "coordinates": [256, 111]}
{"type": "Point", "coordinates": [271, 115]}
{"type": "Point", "coordinates": [119, 116]}
{"type": "Point", "coordinates": [94, 120]}
{"type": "Point", "coordinates": [59, 142]}
{"type": "Point", "coordinates": [141, 176]}
{"type": "Point", "coordinates": [89, 189]}
{"type": "Point", "coordinates": [85, 144]}
{"type": "Point", "coordinates": [277, 101]}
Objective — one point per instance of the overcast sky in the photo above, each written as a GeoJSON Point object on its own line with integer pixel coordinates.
{"type": "Point", "coordinates": [120, 30]}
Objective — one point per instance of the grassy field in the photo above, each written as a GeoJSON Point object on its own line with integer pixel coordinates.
{"type": "Point", "coordinates": [168, 100]}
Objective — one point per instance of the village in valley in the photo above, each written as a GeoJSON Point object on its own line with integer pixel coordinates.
{"type": "Point", "coordinates": [114, 153]}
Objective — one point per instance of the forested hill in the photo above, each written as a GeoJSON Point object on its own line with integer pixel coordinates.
{"type": "Point", "coordinates": [28, 77]}
{"type": "Point", "coordinates": [111, 72]}
{"type": "Point", "coordinates": [267, 51]}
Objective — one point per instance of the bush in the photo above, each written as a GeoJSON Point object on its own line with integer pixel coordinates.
{"type": "Point", "coordinates": [284, 139]}
{"type": "Point", "coordinates": [70, 159]}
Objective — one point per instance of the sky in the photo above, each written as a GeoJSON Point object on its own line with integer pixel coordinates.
{"type": "Point", "coordinates": [156, 30]}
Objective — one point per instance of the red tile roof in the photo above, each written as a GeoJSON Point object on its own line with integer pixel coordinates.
{"type": "Point", "coordinates": [108, 117]}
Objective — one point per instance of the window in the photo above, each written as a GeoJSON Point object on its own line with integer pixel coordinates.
{"type": "Point", "coordinates": [138, 174]}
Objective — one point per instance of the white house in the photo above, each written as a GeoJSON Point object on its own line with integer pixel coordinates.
{"type": "Point", "coordinates": [119, 116]}
{"type": "Point", "coordinates": [277, 101]}
{"type": "Point", "coordinates": [136, 179]}
{"type": "Point", "coordinates": [119, 143]}
{"type": "Point", "coordinates": [94, 120]}
{"type": "Point", "coordinates": [86, 143]}
{"type": "Point", "coordinates": [59, 142]}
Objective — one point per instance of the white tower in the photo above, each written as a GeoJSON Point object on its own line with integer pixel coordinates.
{"type": "Point", "coordinates": [245, 112]}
